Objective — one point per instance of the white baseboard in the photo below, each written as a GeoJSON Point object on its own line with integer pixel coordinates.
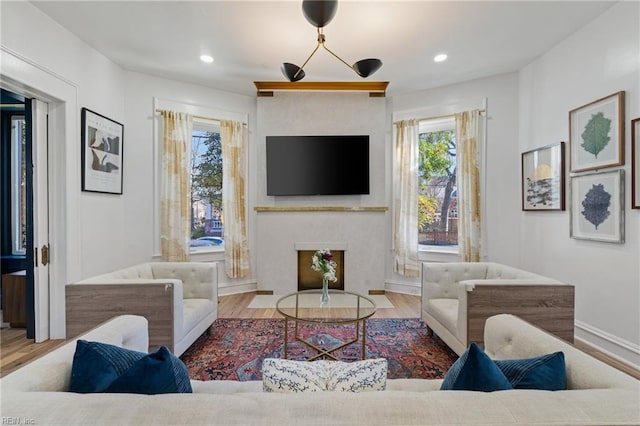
{"type": "Point", "coordinates": [619, 349]}
{"type": "Point", "coordinates": [226, 289]}
{"type": "Point", "coordinates": [406, 288]}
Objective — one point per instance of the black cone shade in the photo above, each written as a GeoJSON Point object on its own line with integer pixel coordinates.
{"type": "Point", "coordinates": [319, 12]}
{"type": "Point", "coordinates": [289, 70]}
{"type": "Point", "coordinates": [366, 67]}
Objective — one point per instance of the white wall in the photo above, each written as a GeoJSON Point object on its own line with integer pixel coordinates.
{"type": "Point", "coordinates": [45, 61]}
{"type": "Point", "coordinates": [600, 59]}
{"type": "Point", "coordinates": [500, 199]}
{"type": "Point", "coordinates": [364, 233]}
{"type": "Point", "coordinates": [100, 87]}
{"type": "Point", "coordinates": [140, 184]}
{"type": "Point", "coordinates": [100, 232]}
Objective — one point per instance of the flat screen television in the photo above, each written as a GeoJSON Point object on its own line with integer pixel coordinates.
{"type": "Point", "coordinates": [318, 165]}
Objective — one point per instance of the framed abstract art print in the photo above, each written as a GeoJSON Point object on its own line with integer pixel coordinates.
{"type": "Point", "coordinates": [543, 178]}
{"type": "Point", "coordinates": [101, 153]}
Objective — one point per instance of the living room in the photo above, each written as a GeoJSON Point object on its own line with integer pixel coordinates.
{"type": "Point", "coordinates": [526, 108]}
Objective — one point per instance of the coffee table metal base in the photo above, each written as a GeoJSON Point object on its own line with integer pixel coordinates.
{"type": "Point", "coordinates": [321, 351]}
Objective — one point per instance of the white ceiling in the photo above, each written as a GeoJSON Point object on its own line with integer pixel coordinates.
{"type": "Point", "coordinates": [250, 39]}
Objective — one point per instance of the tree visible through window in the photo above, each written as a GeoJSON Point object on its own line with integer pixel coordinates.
{"type": "Point", "coordinates": [207, 218]}
{"type": "Point", "coordinates": [437, 197]}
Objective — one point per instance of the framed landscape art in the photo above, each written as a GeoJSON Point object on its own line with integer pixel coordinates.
{"type": "Point", "coordinates": [596, 134]}
{"type": "Point", "coordinates": [101, 153]}
{"type": "Point", "coordinates": [543, 178]}
{"type": "Point", "coordinates": [597, 206]}
{"type": "Point", "coordinates": [635, 163]}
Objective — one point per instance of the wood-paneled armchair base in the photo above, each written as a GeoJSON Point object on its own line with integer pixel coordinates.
{"type": "Point", "coordinates": [457, 299]}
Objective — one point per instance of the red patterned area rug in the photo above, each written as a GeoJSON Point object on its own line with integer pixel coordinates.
{"type": "Point", "coordinates": [235, 348]}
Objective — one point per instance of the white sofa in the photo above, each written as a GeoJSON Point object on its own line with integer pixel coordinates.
{"type": "Point", "coordinates": [597, 393]}
{"type": "Point", "coordinates": [458, 297]}
{"type": "Point", "coordinates": [180, 300]}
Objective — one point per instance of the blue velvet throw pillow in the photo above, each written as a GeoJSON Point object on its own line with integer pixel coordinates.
{"type": "Point", "coordinates": [101, 367]}
{"type": "Point", "coordinates": [475, 371]}
{"type": "Point", "coordinates": [96, 365]}
{"type": "Point", "coordinates": [158, 372]}
{"type": "Point", "coordinates": [546, 372]}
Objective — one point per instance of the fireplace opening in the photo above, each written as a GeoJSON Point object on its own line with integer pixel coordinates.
{"type": "Point", "coordinates": [309, 279]}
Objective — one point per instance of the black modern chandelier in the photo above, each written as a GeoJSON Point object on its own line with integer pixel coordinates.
{"type": "Point", "coordinates": [319, 13]}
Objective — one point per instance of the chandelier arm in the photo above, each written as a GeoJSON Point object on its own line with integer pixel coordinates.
{"type": "Point", "coordinates": [305, 62]}
{"type": "Point", "coordinates": [337, 57]}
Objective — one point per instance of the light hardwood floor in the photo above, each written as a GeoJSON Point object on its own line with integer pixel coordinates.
{"type": "Point", "coordinates": [16, 350]}
{"type": "Point", "coordinates": [235, 306]}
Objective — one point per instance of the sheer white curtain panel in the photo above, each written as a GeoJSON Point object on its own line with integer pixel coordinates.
{"type": "Point", "coordinates": [405, 202]}
{"type": "Point", "coordinates": [234, 176]}
{"type": "Point", "coordinates": [468, 177]}
{"type": "Point", "coordinates": [175, 187]}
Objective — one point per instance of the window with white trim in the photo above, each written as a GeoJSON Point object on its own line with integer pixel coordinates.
{"type": "Point", "coordinates": [437, 192]}
{"type": "Point", "coordinates": [207, 217]}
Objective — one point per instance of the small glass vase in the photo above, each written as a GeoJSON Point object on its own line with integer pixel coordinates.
{"type": "Point", "coordinates": [324, 297]}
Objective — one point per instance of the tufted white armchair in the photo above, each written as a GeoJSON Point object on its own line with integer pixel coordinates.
{"type": "Point", "coordinates": [179, 299]}
{"type": "Point", "coordinates": [458, 297]}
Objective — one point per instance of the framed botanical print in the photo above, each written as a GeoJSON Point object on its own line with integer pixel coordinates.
{"type": "Point", "coordinates": [543, 178]}
{"type": "Point", "coordinates": [102, 146]}
{"type": "Point", "coordinates": [597, 206]}
{"type": "Point", "coordinates": [635, 163]}
{"type": "Point", "coordinates": [596, 134]}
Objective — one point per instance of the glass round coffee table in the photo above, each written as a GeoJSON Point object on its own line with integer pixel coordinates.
{"type": "Point", "coordinates": [344, 307]}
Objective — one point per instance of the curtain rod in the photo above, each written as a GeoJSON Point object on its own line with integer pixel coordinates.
{"type": "Point", "coordinates": [435, 117]}
{"type": "Point", "coordinates": [201, 117]}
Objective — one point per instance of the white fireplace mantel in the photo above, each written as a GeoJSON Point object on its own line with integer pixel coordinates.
{"type": "Point", "coordinates": [281, 235]}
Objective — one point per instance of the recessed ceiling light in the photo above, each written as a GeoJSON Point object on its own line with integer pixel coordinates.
{"type": "Point", "coordinates": [440, 58]}
{"type": "Point", "coordinates": [206, 59]}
